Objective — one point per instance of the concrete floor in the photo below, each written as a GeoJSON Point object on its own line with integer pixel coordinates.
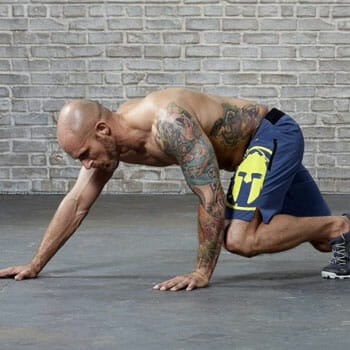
{"type": "Point", "coordinates": [97, 292]}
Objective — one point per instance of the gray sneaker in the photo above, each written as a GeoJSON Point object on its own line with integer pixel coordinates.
{"type": "Point", "coordinates": [339, 266]}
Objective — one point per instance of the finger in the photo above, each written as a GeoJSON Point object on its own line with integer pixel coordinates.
{"type": "Point", "coordinates": [180, 285]}
{"type": "Point", "coordinates": [20, 276]}
{"type": "Point", "coordinates": [166, 285]}
{"type": "Point", "coordinates": [192, 285]}
{"type": "Point", "coordinates": [8, 272]}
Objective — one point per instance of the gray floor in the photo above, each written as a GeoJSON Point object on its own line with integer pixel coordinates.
{"type": "Point", "coordinates": [97, 292]}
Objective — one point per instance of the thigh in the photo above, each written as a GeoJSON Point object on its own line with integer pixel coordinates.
{"type": "Point", "coordinates": [304, 198]}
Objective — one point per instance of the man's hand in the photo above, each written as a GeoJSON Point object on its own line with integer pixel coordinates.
{"type": "Point", "coordinates": [20, 272]}
{"type": "Point", "coordinates": [189, 282]}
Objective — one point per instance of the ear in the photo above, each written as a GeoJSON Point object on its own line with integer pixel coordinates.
{"type": "Point", "coordinates": [102, 128]}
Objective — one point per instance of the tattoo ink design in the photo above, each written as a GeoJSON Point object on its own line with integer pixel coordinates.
{"type": "Point", "coordinates": [236, 123]}
{"type": "Point", "coordinates": [183, 138]}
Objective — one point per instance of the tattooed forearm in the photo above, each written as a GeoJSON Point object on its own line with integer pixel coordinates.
{"type": "Point", "coordinates": [237, 122]}
{"type": "Point", "coordinates": [210, 237]}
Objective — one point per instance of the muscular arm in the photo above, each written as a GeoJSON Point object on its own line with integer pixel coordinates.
{"type": "Point", "coordinates": [182, 137]}
{"type": "Point", "coordinates": [70, 213]}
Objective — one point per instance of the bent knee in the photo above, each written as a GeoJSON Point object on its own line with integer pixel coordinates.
{"type": "Point", "coordinates": [241, 246]}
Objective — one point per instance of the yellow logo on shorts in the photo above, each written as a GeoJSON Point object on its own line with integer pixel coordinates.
{"type": "Point", "coordinates": [250, 175]}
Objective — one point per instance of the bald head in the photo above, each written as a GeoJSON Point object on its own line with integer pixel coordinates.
{"type": "Point", "coordinates": [79, 116]}
{"type": "Point", "coordinates": [76, 122]}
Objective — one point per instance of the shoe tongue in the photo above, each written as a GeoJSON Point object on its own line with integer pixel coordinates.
{"type": "Point", "coordinates": [337, 240]}
{"type": "Point", "coordinates": [347, 236]}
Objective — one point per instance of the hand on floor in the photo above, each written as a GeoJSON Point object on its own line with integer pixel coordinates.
{"type": "Point", "coordinates": [189, 282]}
{"type": "Point", "coordinates": [20, 272]}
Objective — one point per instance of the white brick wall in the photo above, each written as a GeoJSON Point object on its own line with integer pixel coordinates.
{"type": "Point", "coordinates": [292, 54]}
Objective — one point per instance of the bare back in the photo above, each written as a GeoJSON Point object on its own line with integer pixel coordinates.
{"type": "Point", "coordinates": [229, 123]}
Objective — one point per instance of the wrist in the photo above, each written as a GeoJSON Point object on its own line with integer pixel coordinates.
{"type": "Point", "coordinates": [36, 265]}
{"type": "Point", "coordinates": [203, 274]}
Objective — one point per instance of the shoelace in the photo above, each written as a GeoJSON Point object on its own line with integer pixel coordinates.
{"type": "Point", "coordinates": [339, 254]}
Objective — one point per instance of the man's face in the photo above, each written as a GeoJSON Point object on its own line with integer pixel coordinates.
{"type": "Point", "coordinates": [99, 151]}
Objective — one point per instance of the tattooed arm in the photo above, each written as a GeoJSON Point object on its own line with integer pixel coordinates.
{"type": "Point", "coordinates": [182, 137]}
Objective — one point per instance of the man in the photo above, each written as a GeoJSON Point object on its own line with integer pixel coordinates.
{"type": "Point", "coordinates": [272, 204]}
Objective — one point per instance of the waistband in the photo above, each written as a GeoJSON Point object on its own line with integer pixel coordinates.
{"type": "Point", "coordinates": [274, 115]}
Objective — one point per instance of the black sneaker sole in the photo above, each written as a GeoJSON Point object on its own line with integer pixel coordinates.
{"type": "Point", "coordinates": [333, 276]}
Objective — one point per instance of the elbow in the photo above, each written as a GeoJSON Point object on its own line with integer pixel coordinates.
{"type": "Point", "coordinates": [75, 206]}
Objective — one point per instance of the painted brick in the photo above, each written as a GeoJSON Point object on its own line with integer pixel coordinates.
{"type": "Point", "coordinates": [29, 146]}
{"type": "Point", "coordinates": [240, 52]}
{"type": "Point", "coordinates": [29, 173]}
{"type": "Point", "coordinates": [45, 24]}
{"type": "Point", "coordinates": [31, 66]}
{"type": "Point", "coordinates": [202, 24]}
{"type": "Point", "coordinates": [317, 51]}
{"type": "Point", "coordinates": [145, 64]}
{"type": "Point", "coordinates": [315, 24]}
{"type": "Point", "coordinates": [125, 24]}
{"type": "Point", "coordinates": [143, 38]}
{"type": "Point", "coordinates": [202, 78]}
{"type": "Point", "coordinates": [124, 51]}
{"type": "Point", "coordinates": [165, 79]}
{"type": "Point", "coordinates": [181, 38]}
{"type": "Point", "coordinates": [221, 37]}
{"type": "Point", "coordinates": [104, 65]}
{"type": "Point", "coordinates": [14, 186]}
{"type": "Point", "coordinates": [13, 24]}
{"type": "Point", "coordinates": [341, 11]}
{"type": "Point", "coordinates": [343, 52]}
{"type": "Point", "coordinates": [74, 11]}
{"type": "Point", "coordinates": [221, 65]}
{"type": "Point", "coordinates": [316, 78]}
{"type": "Point", "coordinates": [182, 65]}
{"type": "Point", "coordinates": [299, 38]}
{"type": "Point", "coordinates": [260, 38]}
{"type": "Point", "coordinates": [240, 24]}
{"type": "Point", "coordinates": [278, 51]}
{"type": "Point", "coordinates": [37, 11]}
{"type": "Point", "coordinates": [299, 65]}
{"type": "Point", "coordinates": [259, 65]}
{"type": "Point", "coordinates": [31, 119]}
{"type": "Point", "coordinates": [202, 51]}
{"type": "Point", "coordinates": [49, 186]}
{"type": "Point", "coordinates": [68, 38]}
{"type": "Point", "coordinates": [279, 79]}
{"type": "Point", "coordinates": [298, 92]}
{"type": "Point", "coordinates": [334, 65]}
{"type": "Point", "coordinates": [322, 105]}
{"type": "Point", "coordinates": [161, 51]}
{"type": "Point", "coordinates": [277, 24]}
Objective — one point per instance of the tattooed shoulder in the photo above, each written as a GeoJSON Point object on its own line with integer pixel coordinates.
{"type": "Point", "coordinates": [236, 122]}
{"type": "Point", "coordinates": [176, 129]}
{"type": "Point", "coordinates": [183, 138]}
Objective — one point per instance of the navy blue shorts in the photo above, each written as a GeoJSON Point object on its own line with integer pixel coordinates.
{"type": "Point", "coordinates": [271, 177]}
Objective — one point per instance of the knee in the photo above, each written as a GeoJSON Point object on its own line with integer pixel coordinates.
{"type": "Point", "coordinates": [241, 244]}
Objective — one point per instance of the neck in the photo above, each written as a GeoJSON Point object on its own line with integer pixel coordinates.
{"type": "Point", "coordinates": [126, 136]}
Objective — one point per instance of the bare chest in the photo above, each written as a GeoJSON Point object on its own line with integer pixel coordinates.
{"type": "Point", "coordinates": [146, 154]}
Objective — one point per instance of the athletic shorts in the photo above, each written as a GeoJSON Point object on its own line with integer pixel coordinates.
{"type": "Point", "coordinates": [271, 177]}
